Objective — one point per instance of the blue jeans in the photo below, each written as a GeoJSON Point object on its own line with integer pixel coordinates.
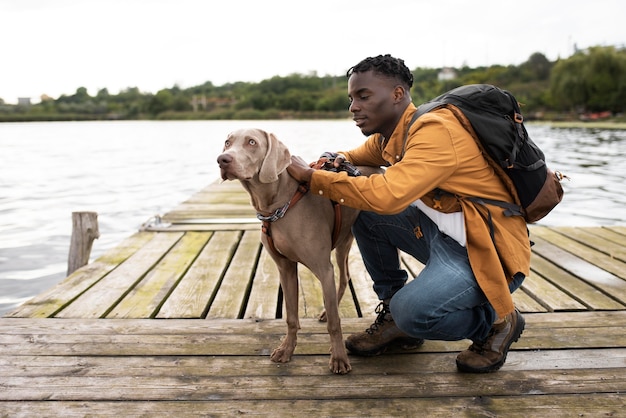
{"type": "Point", "coordinates": [444, 302]}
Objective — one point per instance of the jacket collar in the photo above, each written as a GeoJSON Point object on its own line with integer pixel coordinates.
{"type": "Point", "coordinates": [392, 148]}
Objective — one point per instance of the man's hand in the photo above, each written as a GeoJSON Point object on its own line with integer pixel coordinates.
{"type": "Point", "coordinates": [339, 159]}
{"type": "Point", "coordinates": [300, 170]}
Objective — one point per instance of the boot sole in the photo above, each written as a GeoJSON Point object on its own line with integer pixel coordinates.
{"type": "Point", "coordinates": [519, 329]}
{"type": "Point", "coordinates": [404, 343]}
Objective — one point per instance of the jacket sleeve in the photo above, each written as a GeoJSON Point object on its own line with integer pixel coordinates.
{"type": "Point", "coordinates": [429, 159]}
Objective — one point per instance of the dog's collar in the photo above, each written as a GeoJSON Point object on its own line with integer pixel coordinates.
{"type": "Point", "coordinates": [303, 188]}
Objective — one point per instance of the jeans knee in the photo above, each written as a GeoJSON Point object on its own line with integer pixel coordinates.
{"type": "Point", "coordinates": [403, 312]}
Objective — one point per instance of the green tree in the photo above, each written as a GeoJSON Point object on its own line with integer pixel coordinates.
{"type": "Point", "coordinates": [160, 102]}
{"type": "Point", "coordinates": [592, 80]}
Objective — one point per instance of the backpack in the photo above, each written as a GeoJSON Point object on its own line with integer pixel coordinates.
{"type": "Point", "coordinates": [499, 131]}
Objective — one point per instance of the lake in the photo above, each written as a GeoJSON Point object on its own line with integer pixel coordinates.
{"type": "Point", "coordinates": [128, 171]}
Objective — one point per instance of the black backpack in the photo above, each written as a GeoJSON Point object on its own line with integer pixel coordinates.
{"type": "Point", "coordinates": [497, 121]}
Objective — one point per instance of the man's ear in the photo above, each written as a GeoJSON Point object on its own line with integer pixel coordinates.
{"type": "Point", "coordinates": [276, 160]}
{"type": "Point", "coordinates": [399, 93]}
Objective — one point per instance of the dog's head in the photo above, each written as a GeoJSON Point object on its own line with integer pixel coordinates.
{"type": "Point", "coordinates": [253, 152]}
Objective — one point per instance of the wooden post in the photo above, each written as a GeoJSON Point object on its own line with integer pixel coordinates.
{"type": "Point", "coordinates": [84, 231]}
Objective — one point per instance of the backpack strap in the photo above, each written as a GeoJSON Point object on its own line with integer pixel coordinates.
{"type": "Point", "coordinates": [510, 209]}
{"type": "Point", "coordinates": [421, 110]}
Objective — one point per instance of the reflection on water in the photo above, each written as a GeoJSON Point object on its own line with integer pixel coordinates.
{"type": "Point", "coordinates": [595, 161]}
{"type": "Point", "coordinates": [129, 171]}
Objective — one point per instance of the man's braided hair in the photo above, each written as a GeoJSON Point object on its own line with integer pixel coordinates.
{"type": "Point", "coordinates": [387, 66]}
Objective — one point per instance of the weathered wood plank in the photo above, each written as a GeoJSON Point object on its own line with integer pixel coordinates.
{"type": "Point", "coordinates": [361, 284]}
{"type": "Point", "coordinates": [589, 295]}
{"type": "Point", "coordinates": [417, 362]}
{"type": "Point", "coordinates": [144, 337]}
{"type": "Point", "coordinates": [603, 280]}
{"type": "Point", "coordinates": [263, 301]}
{"type": "Point", "coordinates": [601, 239]}
{"type": "Point", "coordinates": [197, 288]}
{"type": "Point", "coordinates": [311, 298]}
{"type": "Point", "coordinates": [583, 251]}
{"type": "Point", "coordinates": [526, 303]}
{"type": "Point", "coordinates": [548, 406]}
{"type": "Point", "coordinates": [148, 295]}
{"type": "Point", "coordinates": [104, 294]}
{"type": "Point", "coordinates": [59, 296]}
{"type": "Point", "coordinates": [86, 326]}
{"type": "Point", "coordinates": [234, 287]}
{"type": "Point", "coordinates": [550, 295]}
{"type": "Point", "coordinates": [263, 344]}
{"type": "Point", "coordinates": [311, 387]}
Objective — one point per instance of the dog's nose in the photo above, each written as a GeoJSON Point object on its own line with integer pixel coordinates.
{"type": "Point", "coordinates": [224, 160]}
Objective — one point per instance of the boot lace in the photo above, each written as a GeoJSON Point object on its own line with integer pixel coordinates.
{"type": "Point", "coordinates": [481, 347]}
{"type": "Point", "coordinates": [382, 310]}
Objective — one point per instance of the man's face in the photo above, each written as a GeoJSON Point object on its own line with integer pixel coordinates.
{"type": "Point", "coordinates": [372, 98]}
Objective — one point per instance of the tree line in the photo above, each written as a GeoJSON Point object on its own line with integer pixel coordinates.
{"type": "Point", "coordinates": [588, 82]}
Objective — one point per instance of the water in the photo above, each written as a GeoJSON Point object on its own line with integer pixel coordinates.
{"type": "Point", "coordinates": [130, 171]}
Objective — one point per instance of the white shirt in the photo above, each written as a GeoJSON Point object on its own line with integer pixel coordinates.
{"type": "Point", "coordinates": [451, 224]}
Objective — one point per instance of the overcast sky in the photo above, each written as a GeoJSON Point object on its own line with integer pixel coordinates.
{"type": "Point", "coordinates": [54, 47]}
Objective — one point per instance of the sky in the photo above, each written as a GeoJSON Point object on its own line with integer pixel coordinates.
{"type": "Point", "coordinates": [54, 47]}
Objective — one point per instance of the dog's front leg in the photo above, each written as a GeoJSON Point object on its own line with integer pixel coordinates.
{"type": "Point", "coordinates": [339, 362]}
{"type": "Point", "coordinates": [288, 271]}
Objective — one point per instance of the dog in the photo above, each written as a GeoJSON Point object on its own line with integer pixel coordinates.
{"type": "Point", "coordinates": [303, 235]}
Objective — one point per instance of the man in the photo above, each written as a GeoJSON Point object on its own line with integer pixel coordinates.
{"type": "Point", "coordinates": [474, 255]}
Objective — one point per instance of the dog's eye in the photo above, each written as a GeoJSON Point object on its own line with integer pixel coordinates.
{"type": "Point", "coordinates": [226, 144]}
{"type": "Point", "coordinates": [251, 141]}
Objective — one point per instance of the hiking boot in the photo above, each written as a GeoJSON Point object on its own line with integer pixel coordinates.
{"type": "Point", "coordinates": [490, 355]}
{"type": "Point", "coordinates": [382, 334]}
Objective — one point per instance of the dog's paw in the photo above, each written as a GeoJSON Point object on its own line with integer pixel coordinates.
{"type": "Point", "coordinates": [339, 366]}
{"type": "Point", "coordinates": [323, 317]}
{"type": "Point", "coordinates": [281, 354]}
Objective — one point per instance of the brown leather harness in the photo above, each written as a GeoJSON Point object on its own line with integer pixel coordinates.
{"type": "Point", "coordinates": [303, 188]}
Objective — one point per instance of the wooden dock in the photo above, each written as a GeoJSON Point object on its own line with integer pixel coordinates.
{"type": "Point", "coordinates": [180, 318]}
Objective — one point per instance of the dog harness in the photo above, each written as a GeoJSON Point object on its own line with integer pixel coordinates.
{"type": "Point", "coordinates": [303, 189]}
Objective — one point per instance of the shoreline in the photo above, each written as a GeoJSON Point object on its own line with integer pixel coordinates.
{"type": "Point", "coordinates": [580, 124]}
{"type": "Point", "coordinates": [569, 124]}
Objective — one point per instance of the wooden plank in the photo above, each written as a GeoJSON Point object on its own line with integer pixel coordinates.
{"type": "Point", "coordinates": [104, 295]}
{"type": "Point", "coordinates": [608, 233]}
{"type": "Point", "coordinates": [311, 298]}
{"type": "Point", "coordinates": [618, 229]}
{"type": "Point", "coordinates": [198, 287]}
{"type": "Point", "coordinates": [588, 295]}
{"type": "Point", "coordinates": [589, 254]}
{"type": "Point", "coordinates": [551, 296]}
{"type": "Point", "coordinates": [526, 303]}
{"type": "Point", "coordinates": [311, 342]}
{"type": "Point", "coordinates": [361, 284]}
{"type": "Point", "coordinates": [51, 301]}
{"type": "Point", "coordinates": [263, 301]}
{"type": "Point", "coordinates": [144, 300]}
{"type": "Point", "coordinates": [598, 239]}
{"type": "Point", "coordinates": [234, 288]}
{"type": "Point", "coordinates": [602, 280]}
{"type": "Point", "coordinates": [250, 366]}
{"type": "Point", "coordinates": [311, 387]}
{"type": "Point", "coordinates": [242, 337]}
{"type": "Point", "coordinates": [548, 406]}
{"type": "Point", "coordinates": [86, 326]}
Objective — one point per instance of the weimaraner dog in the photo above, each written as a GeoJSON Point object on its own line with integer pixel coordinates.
{"type": "Point", "coordinates": [303, 235]}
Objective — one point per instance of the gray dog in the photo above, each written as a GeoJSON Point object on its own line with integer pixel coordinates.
{"type": "Point", "coordinates": [259, 161]}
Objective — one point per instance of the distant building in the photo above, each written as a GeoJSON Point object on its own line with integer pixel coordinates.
{"type": "Point", "coordinates": [446, 73]}
{"type": "Point", "coordinates": [23, 101]}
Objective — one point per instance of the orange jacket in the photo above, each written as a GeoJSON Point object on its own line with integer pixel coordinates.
{"type": "Point", "coordinates": [439, 153]}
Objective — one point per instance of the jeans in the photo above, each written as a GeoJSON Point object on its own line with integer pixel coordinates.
{"type": "Point", "coordinates": [444, 302]}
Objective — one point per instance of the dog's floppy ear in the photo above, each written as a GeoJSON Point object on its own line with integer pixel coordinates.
{"type": "Point", "coordinates": [276, 160]}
